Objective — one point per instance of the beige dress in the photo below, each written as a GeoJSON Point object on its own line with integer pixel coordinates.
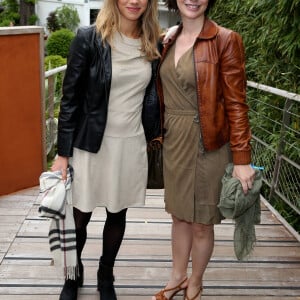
{"type": "Point", "coordinates": [116, 176]}
{"type": "Point", "coordinates": [192, 176]}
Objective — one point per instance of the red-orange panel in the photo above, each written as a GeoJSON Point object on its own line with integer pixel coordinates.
{"type": "Point", "coordinates": [21, 150]}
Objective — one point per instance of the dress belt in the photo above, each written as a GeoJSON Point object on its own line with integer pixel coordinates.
{"type": "Point", "coordinates": [181, 112]}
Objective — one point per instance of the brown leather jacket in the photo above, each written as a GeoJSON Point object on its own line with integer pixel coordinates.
{"type": "Point", "coordinates": [221, 89]}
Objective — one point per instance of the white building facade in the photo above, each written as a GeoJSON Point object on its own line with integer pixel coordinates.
{"type": "Point", "coordinates": [88, 9]}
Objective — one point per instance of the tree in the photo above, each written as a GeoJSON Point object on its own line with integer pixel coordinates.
{"type": "Point", "coordinates": [27, 12]}
{"type": "Point", "coordinates": [65, 17]}
{"type": "Point", "coordinates": [52, 22]}
{"type": "Point", "coordinates": [9, 13]}
{"type": "Point", "coordinates": [15, 12]}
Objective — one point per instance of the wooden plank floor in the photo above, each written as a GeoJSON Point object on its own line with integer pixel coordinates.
{"type": "Point", "coordinates": [144, 261]}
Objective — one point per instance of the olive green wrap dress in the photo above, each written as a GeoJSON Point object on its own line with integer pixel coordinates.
{"type": "Point", "coordinates": [192, 176]}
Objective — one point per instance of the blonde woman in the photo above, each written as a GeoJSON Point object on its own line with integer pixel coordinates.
{"type": "Point", "coordinates": [109, 110]}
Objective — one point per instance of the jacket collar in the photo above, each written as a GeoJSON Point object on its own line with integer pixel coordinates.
{"type": "Point", "coordinates": [209, 31]}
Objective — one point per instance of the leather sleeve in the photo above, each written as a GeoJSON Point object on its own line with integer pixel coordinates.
{"type": "Point", "coordinates": [73, 87]}
{"type": "Point", "coordinates": [151, 108]}
{"type": "Point", "coordinates": [233, 81]}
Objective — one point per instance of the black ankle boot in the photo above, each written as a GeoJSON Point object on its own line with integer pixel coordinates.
{"type": "Point", "coordinates": [81, 274]}
{"type": "Point", "coordinates": [106, 283]}
{"type": "Point", "coordinates": [70, 288]}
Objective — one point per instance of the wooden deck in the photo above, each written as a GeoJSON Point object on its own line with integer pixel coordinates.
{"type": "Point", "coordinates": [144, 261]}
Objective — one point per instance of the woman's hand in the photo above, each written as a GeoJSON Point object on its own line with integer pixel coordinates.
{"type": "Point", "coordinates": [61, 164]}
{"type": "Point", "coordinates": [170, 33]}
{"type": "Point", "coordinates": [245, 174]}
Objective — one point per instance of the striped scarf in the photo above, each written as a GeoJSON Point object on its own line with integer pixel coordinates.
{"type": "Point", "coordinates": [56, 203]}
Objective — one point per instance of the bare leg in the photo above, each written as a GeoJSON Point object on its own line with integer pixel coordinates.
{"type": "Point", "coordinates": [182, 236]}
{"type": "Point", "coordinates": [203, 244]}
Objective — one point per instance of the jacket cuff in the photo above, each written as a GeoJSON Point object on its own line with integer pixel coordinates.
{"type": "Point", "coordinates": [64, 146]}
{"type": "Point", "coordinates": [241, 157]}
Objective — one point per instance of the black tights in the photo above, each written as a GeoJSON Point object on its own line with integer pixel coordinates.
{"type": "Point", "coordinates": [113, 233]}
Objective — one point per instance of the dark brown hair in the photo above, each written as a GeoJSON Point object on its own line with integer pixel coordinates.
{"type": "Point", "coordinates": [172, 5]}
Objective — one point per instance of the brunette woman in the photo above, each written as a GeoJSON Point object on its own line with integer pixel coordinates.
{"type": "Point", "coordinates": [202, 89]}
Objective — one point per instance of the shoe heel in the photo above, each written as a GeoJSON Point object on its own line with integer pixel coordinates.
{"type": "Point", "coordinates": [80, 281]}
{"type": "Point", "coordinates": [184, 294]}
{"type": "Point", "coordinates": [80, 278]}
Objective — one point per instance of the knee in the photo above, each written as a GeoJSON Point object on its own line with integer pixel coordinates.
{"type": "Point", "coordinates": [203, 230]}
{"type": "Point", "coordinates": [177, 221]}
{"type": "Point", "coordinates": [116, 218]}
{"type": "Point", "coordinates": [81, 219]}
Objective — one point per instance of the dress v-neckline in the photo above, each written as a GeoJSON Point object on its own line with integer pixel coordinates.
{"type": "Point", "coordinates": [180, 58]}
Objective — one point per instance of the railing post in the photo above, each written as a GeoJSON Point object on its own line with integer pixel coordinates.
{"type": "Point", "coordinates": [51, 95]}
{"type": "Point", "coordinates": [281, 144]}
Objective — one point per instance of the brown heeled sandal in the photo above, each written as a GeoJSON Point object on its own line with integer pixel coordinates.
{"type": "Point", "coordinates": [160, 295]}
{"type": "Point", "coordinates": [198, 293]}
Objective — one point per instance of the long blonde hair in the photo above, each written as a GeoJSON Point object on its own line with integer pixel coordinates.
{"type": "Point", "coordinates": [108, 22]}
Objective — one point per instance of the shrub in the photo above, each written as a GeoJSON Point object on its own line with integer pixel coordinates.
{"type": "Point", "coordinates": [54, 61]}
{"type": "Point", "coordinates": [33, 19]}
{"type": "Point", "coordinates": [59, 42]}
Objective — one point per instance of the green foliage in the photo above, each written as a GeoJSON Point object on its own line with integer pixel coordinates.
{"type": "Point", "coordinates": [5, 23]}
{"type": "Point", "coordinates": [10, 14]}
{"type": "Point", "coordinates": [33, 19]}
{"type": "Point", "coordinates": [54, 61]}
{"type": "Point", "coordinates": [63, 17]}
{"type": "Point", "coordinates": [68, 17]}
{"type": "Point", "coordinates": [59, 42]}
{"type": "Point", "coordinates": [30, 1]}
{"type": "Point", "coordinates": [52, 22]}
{"type": "Point", "coordinates": [53, 95]}
{"type": "Point", "coordinates": [270, 30]}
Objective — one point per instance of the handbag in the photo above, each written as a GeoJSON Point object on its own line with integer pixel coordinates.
{"type": "Point", "coordinates": [155, 164]}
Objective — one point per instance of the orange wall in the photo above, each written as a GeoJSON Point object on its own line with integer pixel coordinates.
{"type": "Point", "coordinates": [21, 142]}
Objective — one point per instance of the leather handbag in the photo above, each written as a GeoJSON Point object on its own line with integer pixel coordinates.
{"type": "Point", "coordinates": [155, 164]}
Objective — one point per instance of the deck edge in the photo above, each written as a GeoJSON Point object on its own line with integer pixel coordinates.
{"type": "Point", "coordinates": [280, 218]}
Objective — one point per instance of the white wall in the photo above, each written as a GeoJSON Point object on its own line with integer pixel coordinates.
{"type": "Point", "coordinates": [44, 7]}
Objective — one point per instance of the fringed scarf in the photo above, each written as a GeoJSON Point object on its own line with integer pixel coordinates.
{"type": "Point", "coordinates": [56, 203]}
{"type": "Point", "coordinates": [244, 209]}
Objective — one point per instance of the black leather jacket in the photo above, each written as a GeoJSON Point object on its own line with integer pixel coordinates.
{"type": "Point", "coordinates": [86, 88]}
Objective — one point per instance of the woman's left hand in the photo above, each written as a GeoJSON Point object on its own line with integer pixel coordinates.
{"type": "Point", "coordinates": [245, 174]}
